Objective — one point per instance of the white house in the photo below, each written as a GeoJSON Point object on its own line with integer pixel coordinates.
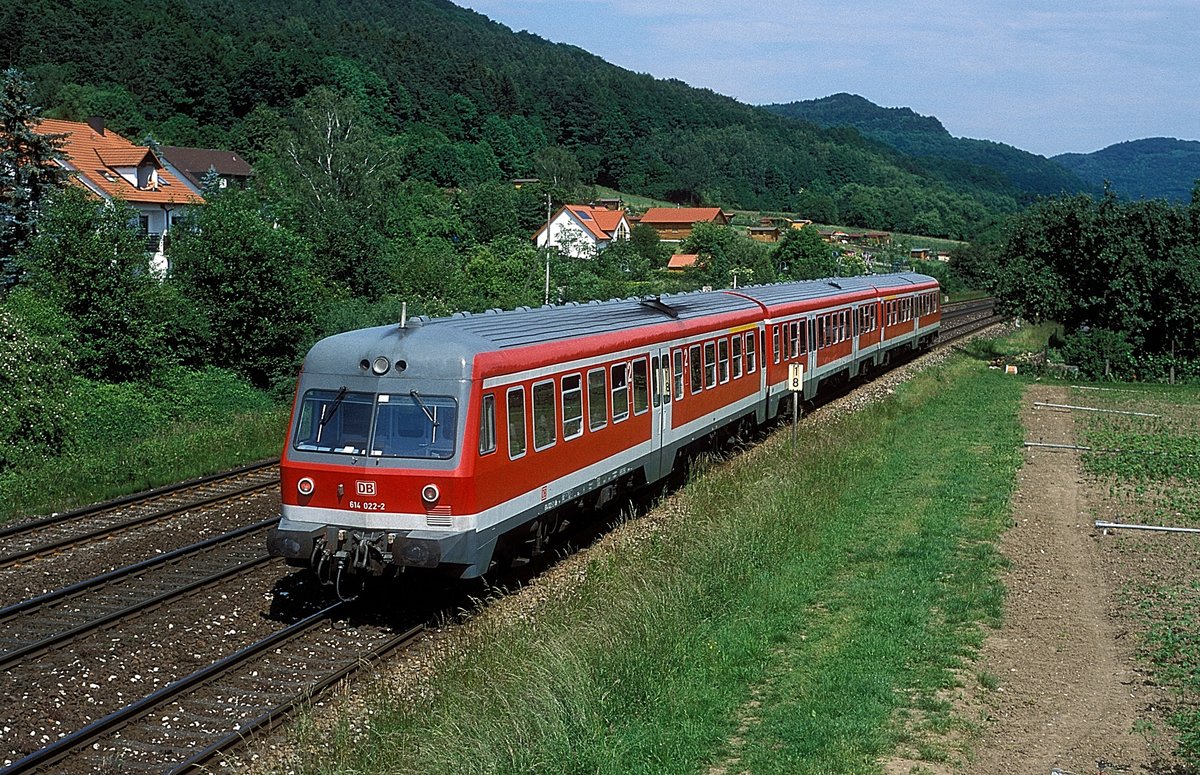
{"type": "Point", "coordinates": [111, 167]}
{"type": "Point", "coordinates": [582, 231]}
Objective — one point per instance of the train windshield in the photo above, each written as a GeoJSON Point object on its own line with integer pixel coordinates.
{"type": "Point", "coordinates": [415, 425]}
{"type": "Point", "coordinates": [335, 421]}
{"type": "Point", "coordinates": [410, 425]}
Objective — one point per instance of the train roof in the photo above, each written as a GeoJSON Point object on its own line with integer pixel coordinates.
{"type": "Point", "coordinates": [812, 290]}
{"type": "Point", "coordinates": [462, 335]}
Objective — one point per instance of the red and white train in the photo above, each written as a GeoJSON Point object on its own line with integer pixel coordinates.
{"type": "Point", "coordinates": [442, 443]}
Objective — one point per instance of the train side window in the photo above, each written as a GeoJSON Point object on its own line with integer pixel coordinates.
{"type": "Point", "coordinates": [751, 353]}
{"type": "Point", "coordinates": [656, 389]}
{"type": "Point", "coordinates": [812, 334]}
{"type": "Point", "coordinates": [620, 392]}
{"type": "Point", "coordinates": [785, 343]}
{"type": "Point", "coordinates": [516, 422]}
{"type": "Point", "coordinates": [723, 360]}
{"type": "Point", "coordinates": [821, 332]}
{"type": "Point", "coordinates": [597, 399]}
{"type": "Point", "coordinates": [796, 339]}
{"type": "Point", "coordinates": [735, 355]}
{"type": "Point", "coordinates": [641, 388]}
{"type": "Point", "coordinates": [572, 406]}
{"type": "Point", "coordinates": [695, 369]}
{"type": "Point", "coordinates": [803, 344]}
{"type": "Point", "coordinates": [543, 415]}
{"type": "Point", "coordinates": [710, 364]}
{"type": "Point", "coordinates": [775, 342]}
{"type": "Point", "coordinates": [487, 425]}
{"type": "Point", "coordinates": [677, 371]}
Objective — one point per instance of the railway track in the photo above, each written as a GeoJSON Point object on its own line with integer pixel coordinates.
{"type": "Point", "coordinates": [188, 724]}
{"type": "Point", "coordinates": [28, 540]}
{"type": "Point", "coordinates": [967, 317]}
{"type": "Point", "coordinates": [54, 619]}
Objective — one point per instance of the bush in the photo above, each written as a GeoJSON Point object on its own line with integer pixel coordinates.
{"type": "Point", "coordinates": [1100, 353]}
{"type": "Point", "coordinates": [35, 380]}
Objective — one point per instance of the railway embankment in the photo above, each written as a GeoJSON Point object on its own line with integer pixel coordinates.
{"type": "Point", "coordinates": [794, 609]}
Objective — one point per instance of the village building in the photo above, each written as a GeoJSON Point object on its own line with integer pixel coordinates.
{"type": "Point", "coordinates": [111, 167]}
{"type": "Point", "coordinates": [675, 224]}
{"type": "Point", "coordinates": [194, 166]}
{"type": "Point", "coordinates": [582, 231]}
{"type": "Point", "coordinates": [682, 261]}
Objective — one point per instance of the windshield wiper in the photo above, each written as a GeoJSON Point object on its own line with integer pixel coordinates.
{"type": "Point", "coordinates": [337, 401]}
{"type": "Point", "coordinates": [417, 397]}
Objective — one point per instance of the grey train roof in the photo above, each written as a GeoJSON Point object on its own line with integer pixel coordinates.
{"type": "Point", "coordinates": [463, 334]}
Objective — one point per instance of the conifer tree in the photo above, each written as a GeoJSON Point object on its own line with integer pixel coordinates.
{"type": "Point", "coordinates": [28, 171]}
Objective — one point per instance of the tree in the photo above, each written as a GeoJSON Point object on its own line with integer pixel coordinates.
{"type": "Point", "coordinates": [28, 172]}
{"type": "Point", "coordinates": [803, 255]}
{"type": "Point", "coordinates": [89, 260]}
{"type": "Point", "coordinates": [253, 284]}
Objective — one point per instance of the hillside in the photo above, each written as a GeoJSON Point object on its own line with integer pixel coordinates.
{"type": "Point", "coordinates": [983, 161]}
{"type": "Point", "coordinates": [1157, 167]}
{"type": "Point", "coordinates": [469, 101]}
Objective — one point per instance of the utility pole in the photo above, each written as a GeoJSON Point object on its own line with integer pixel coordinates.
{"type": "Point", "coordinates": [547, 297]}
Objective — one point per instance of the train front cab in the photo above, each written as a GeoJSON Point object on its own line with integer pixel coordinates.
{"type": "Point", "coordinates": [373, 478]}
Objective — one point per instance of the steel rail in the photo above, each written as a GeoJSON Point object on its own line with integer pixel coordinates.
{"type": "Point", "coordinates": [11, 658]}
{"type": "Point", "coordinates": [273, 717]}
{"type": "Point", "coordinates": [153, 516]}
{"type": "Point", "coordinates": [65, 746]}
{"type": "Point", "coordinates": [129, 570]}
{"type": "Point", "coordinates": [126, 500]}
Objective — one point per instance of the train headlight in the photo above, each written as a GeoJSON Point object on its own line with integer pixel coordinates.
{"type": "Point", "coordinates": [305, 486]}
{"type": "Point", "coordinates": [380, 365]}
{"type": "Point", "coordinates": [430, 494]}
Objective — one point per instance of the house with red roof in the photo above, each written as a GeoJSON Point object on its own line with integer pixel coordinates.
{"type": "Point", "coordinates": [582, 231]}
{"type": "Point", "coordinates": [675, 224]}
{"type": "Point", "coordinates": [111, 167]}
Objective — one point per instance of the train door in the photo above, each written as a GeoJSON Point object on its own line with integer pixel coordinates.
{"type": "Point", "coordinates": [661, 382]}
{"type": "Point", "coordinates": [856, 330]}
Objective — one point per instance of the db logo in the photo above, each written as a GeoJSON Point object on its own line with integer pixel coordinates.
{"type": "Point", "coordinates": [545, 492]}
{"type": "Point", "coordinates": [365, 488]}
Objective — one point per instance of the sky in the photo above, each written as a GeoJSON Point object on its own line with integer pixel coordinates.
{"type": "Point", "coordinates": [1047, 76]}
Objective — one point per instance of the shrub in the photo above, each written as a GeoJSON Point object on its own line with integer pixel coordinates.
{"type": "Point", "coordinates": [1100, 353]}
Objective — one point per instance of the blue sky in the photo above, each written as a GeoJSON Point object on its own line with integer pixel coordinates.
{"type": "Point", "coordinates": [1048, 77]}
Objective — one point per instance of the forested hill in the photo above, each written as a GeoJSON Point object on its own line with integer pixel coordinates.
{"type": "Point", "coordinates": [467, 101]}
{"type": "Point", "coordinates": [938, 150]}
{"type": "Point", "coordinates": [1157, 167]}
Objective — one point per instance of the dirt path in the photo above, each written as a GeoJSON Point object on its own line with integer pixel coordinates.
{"type": "Point", "coordinates": [1068, 696]}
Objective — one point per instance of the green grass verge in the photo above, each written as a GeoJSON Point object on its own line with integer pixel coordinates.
{"type": "Point", "coordinates": [131, 437]}
{"type": "Point", "coordinates": [796, 611]}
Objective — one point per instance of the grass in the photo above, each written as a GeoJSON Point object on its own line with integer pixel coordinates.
{"type": "Point", "coordinates": [131, 437]}
{"type": "Point", "coordinates": [797, 611]}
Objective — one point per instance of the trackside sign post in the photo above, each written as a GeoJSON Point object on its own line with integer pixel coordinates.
{"type": "Point", "coordinates": [796, 385]}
